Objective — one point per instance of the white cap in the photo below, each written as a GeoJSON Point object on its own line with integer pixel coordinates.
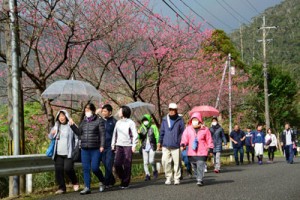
{"type": "Point", "coordinates": [173, 106]}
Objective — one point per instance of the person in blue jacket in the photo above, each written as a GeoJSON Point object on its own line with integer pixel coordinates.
{"type": "Point", "coordinates": [248, 144]}
{"type": "Point", "coordinates": [108, 156]}
{"type": "Point", "coordinates": [171, 130]}
{"type": "Point", "coordinates": [258, 142]}
{"type": "Point", "coordinates": [237, 136]}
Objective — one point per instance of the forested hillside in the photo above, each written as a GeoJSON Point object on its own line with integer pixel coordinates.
{"type": "Point", "coordinates": [284, 48]}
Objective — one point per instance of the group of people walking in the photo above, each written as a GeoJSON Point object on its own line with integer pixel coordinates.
{"type": "Point", "coordinates": [255, 142]}
{"type": "Point", "coordinates": [104, 139]}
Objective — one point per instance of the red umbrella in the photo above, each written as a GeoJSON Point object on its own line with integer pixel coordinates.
{"type": "Point", "coordinates": [205, 111]}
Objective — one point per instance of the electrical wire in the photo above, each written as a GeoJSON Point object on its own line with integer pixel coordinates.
{"type": "Point", "coordinates": [236, 11]}
{"type": "Point", "coordinates": [228, 11]}
{"type": "Point", "coordinates": [218, 19]}
{"type": "Point", "coordinates": [198, 15]}
{"type": "Point", "coordinates": [252, 6]}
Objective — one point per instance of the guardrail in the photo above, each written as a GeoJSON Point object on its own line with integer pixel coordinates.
{"type": "Point", "coordinates": [36, 163]}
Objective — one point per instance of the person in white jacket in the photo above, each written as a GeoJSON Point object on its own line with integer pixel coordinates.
{"type": "Point", "coordinates": [124, 141]}
{"type": "Point", "coordinates": [271, 143]}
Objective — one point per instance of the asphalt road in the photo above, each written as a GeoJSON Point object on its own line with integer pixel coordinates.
{"type": "Point", "coordinates": [249, 181]}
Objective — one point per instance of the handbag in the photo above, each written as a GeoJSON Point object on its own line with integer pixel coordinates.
{"type": "Point", "coordinates": [50, 149]}
{"type": "Point", "coordinates": [76, 153]}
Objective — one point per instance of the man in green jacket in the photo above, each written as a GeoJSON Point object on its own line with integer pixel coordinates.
{"type": "Point", "coordinates": [149, 136]}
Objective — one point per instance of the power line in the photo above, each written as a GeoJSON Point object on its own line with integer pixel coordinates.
{"type": "Point", "coordinates": [222, 22]}
{"type": "Point", "coordinates": [228, 11]}
{"type": "Point", "coordinates": [236, 11]}
{"type": "Point", "coordinates": [198, 15]}
{"type": "Point", "coordinates": [177, 14]}
{"type": "Point", "coordinates": [252, 6]}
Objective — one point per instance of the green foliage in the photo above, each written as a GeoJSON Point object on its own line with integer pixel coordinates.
{"type": "Point", "coordinates": [221, 43]}
{"type": "Point", "coordinates": [282, 96]}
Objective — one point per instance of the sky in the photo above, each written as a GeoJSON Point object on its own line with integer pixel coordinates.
{"type": "Point", "coordinates": [227, 15]}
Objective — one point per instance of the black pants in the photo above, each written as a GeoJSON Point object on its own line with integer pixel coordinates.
{"type": "Point", "coordinates": [62, 165]}
{"type": "Point", "coordinates": [271, 151]}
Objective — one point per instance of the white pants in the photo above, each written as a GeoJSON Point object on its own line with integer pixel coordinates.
{"type": "Point", "coordinates": [169, 157]}
{"type": "Point", "coordinates": [148, 158]}
{"type": "Point", "coordinates": [259, 149]}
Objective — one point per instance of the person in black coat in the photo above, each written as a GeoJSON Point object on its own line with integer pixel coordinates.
{"type": "Point", "coordinates": [92, 135]}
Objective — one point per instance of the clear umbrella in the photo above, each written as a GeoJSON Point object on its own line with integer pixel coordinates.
{"type": "Point", "coordinates": [71, 90]}
{"type": "Point", "coordinates": [139, 109]}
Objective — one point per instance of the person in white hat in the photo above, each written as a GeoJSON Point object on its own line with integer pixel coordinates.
{"type": "Point", "coordinates": [171, 130]}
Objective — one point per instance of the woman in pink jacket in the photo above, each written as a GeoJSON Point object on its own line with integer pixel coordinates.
{"type": "Point", "coordinates": [199, 140]}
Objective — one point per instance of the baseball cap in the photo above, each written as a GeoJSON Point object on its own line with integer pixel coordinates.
{"type": "Point", "coordinates": [173, 106]}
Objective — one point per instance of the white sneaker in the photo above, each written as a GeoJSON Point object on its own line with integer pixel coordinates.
{"type": "Point", "coordinates": [205, 169]}
{"type": "Point", "coordinates": [176, 182]}
{"type": "Point", "coordinates": [101, 187]}
{"type": "Point", "coordinates": [168, 182]}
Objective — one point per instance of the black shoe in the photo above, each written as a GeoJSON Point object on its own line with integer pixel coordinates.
{"type": "Point", "coordinates": [155, 174]}
{"type": "Point", "coordinates": [147, 178]}
{"type": "Point", "coordinates": [237, 163]}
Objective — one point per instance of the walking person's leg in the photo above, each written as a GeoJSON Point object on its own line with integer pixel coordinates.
{"type": "Point", "coordinates": [152, 162]}
{"type": "Point", "coordinates": [248, 153]}
{"type": "Point", "coordinates": [200, 172]}
{"type": "Point", "coordinates": [59, 174]}
{"type": "Point", "coordinates": [146, 163]}
{"type": "Point", "coordinates": [291, 154]}
{"type": "Point", "coordinates": [119, 163]}
{"type": "Point", "coordinates": [109, 160]}
{"type": "Point", "coordinates": [176, 155]}
{"type": "Point", "coordinates": [218, 162]}
{"type": "Point", "coordinates": [167, 164]}
{"type": "Point", "coordinates": [127, 166]}
{"type": "Point", "coordinates": [241, 150]}
{"type": "Point", "coordinates": [269, 153]}
{"type": "Point", "coordinates": [235, 152]}
{"type": "Point", "coordinates": [252, 153]}
{"type": "Point", "coordinates": [86, 166]}
{"type": "Point", "coordinates": [287, 153]}
{"type": "Point", "coordinates": [69, 169]}
{"type": "Point", "coordinates": [95, 164]}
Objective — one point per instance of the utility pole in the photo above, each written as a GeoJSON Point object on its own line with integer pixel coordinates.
{"type": "Point", "coordinates": [221, 86]}
{"type": "Point", "coordinates": [15, 62]}
{"type": "Point", "coordinates": [265, 70]}
{"type": "Point", "coordinates": [241, 41]}
{"type": "Point", "coordinates": [229, 95]}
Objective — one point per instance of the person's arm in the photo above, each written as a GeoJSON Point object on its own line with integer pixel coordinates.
{"type": "Point", "coordinates": [244, 136]}
{"type": "Point", "coordinates": [209, 141]}
{"type": "Point", "coordinates": [231, 138]}
{"type": "Point", "coordinates": [253, 139]}
{"type": "Point", "coordinates": [156, 133]}
{"type": "Point", "coordinates": [281, 139]}
{"type": "Point", "coordinates": [134, 135]}
{"type": "Point", "coordinates": [184, 139]}
{"type": "Point", "coordinates": [113, 140]}
{"type": "Point", "coordinates": [223, 137]}
{"type": "Point", "coordinates": [161, 136]}
{"type": "Point", "coordinates": [102, 134]}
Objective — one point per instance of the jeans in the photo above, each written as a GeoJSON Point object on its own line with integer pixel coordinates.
{"type": "Point", "coordinates": [148, 158]}
{"type": "Point", "coordinates": [186, 161]}
{"type": "Point", "coordinates": [217, 160]}
{"type": "Point", "coordinates": [62, 165]}
{"type": "Point", "coordinates": [235, 151]}
{"type": "Point", "coordinates": [90, 159]}
{"type": "Point", "coordinates": [123, 163]}
{"type": "Point", "coordinates": [289, 153]}
{"type": "Point", "coordinates": [107, 158]}
{"type": "Point", "coordinates": [198, 168]}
